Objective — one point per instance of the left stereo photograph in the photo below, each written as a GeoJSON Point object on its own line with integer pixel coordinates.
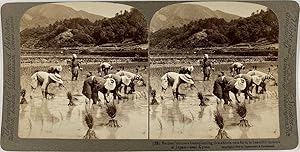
{"type": "Point", "coordinates": [83, 72]}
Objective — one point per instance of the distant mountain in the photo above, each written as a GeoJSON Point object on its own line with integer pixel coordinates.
{"type": "Point", "coordinates": [179, 14]}
{"type": "Point", "coordinates": [43, 15]}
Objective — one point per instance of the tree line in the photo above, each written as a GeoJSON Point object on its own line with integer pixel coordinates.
{"type": "Point", "coordinates": [212, 32]}
{"type": "Point", "coordinates": [126, 26]}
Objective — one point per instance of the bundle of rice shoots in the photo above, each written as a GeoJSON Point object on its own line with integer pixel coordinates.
{"type": "Point", "coordinates": [90, 134]}
{"type": "Point", "coordinates": [112, 111]}
{"type": "Point", "coordinates": [70, 97]}
{"type": "Point", "coordinates": [153, 101]}
{"type": "Point", "coordinates": [201, 98]}
{"type": "Point", "coordinates": [222, 134]}
{"type": "Point", "coordinates": [23, 99]}
{"type": "Point", "coordinates": [242, 112]}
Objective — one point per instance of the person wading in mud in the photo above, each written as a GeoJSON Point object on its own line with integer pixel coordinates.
{"type": "Point", "coordinates": [133, 77]}
{"type": "Point", "coordinates": [55, 69]}
{"type": "Point", "coordinates": [263, 77]}
{"type": "Point", "coordinates": [75, 67]}
{"type": "Point", "coordinates": [174, 80]}
{"type": "Point", "coordinates": [224, 84]}
{"type": "Point", "coordinates": [104, 68]}
{"type": "Point", "coordinates": [44, 79]}
{"type": "Point", "coordinates": [120, 80]}
{"type": "Point", "coordinates": [250, 80]}
{"type": "Point", "coordinates": [94, 84]}
{"type": "Point", "coordinates": [207, 67]}
{"type": "Point", "coordinates": [236, 68]}
{"type": "Point", "coordinates": [186, 70]}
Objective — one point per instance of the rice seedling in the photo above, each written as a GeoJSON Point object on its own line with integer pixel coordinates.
{"type": "Point", "coordinates": [153, 95]}
{"type": "Point", "coordinates": [202, 99]}
{"type": "Point", "coordinates": [242, 112]}
{"type": "Point", "coordinates": [23, 99]}
{"type": "Point", "coordinates": [112, 111]}
{"type": "Point", "coordinates": [70, 97]}
{"type": "Point", "coordinates": [90, 134]}
{"type": "Point", "coordinates": [222, 134]}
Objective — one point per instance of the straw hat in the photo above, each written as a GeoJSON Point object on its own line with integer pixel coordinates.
{"type": "Point", "coordinates": [240, 84]}
{"type": "Point", "coordinates": [125, 80]}
{"type": "Point", "coordinates": [205, 56]}
{"type": "Point", "coordinates": [55, 77]}
{"type": "Point", "coordinates": [59, 68]}
{"type": "Point", "coordinates": [191, 68]}
{"type": "Point", "coordinates": [138, 77]}
{"type": "Point", "coordinates": [110, 84]}
{"type": "Point", "coordinates": [74, 56]}
{"type": "Point", "coordinates": [256, 79]}
{"type": "Point", "coordinates": [186, 78]}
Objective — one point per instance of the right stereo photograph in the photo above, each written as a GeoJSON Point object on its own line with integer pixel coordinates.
{"type": "Point", "coordinates": [213, 71]}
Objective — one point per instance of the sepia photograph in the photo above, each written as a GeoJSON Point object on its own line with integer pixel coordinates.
{"type": "Point", "coordinates": [84, 72]}
{"type": "Point", "coordinates": [213, 71]}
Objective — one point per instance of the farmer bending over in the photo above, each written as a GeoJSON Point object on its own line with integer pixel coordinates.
{"type": "Point", "coordinates": [174, 80]}
{"type": "Point", "coordinates": [186, 70]}
{"type": "Point", "coordinates": [119, 81]}
{"type": "Point", "coordinates": [236, 68]}
{"type": "Point", "coordinates": [263, 77]}
{"type": "Point", "coordinates": [133, 77]}
{"type": "Point", "coordinates": [104, 67]}
{"type": "Point", "coordinates": [43, 79]}
{"type": "Point", "coordinates": [94, 84]}
{"type": "Point", "coordinates": [250, 80]}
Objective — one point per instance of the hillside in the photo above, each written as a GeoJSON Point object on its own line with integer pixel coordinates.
{"type": "Point", "coordinates": [127, 28]}
{"type": "Point", "coordinates": [217, 32]}
{"type": "Point", "coordinates": [179, 14]}
{"type": "Point", "coordinates": [43, 15]}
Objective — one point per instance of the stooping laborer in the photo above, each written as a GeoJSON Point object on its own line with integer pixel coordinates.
{"type": "Point", "coordinates": [207, 67]}
{"type": "Point", "coordinates": [120, 80]}
{"type": "Point", "coordinates": [236, 67]}
{"type": "Point", "coordinates": [55, 69]}
{"type": "Point", "coordinates": [263, 77]}
{"type": "Point", "coordinates": [75, 67]}
{"type": "Point", "coordinates": [224, 84]}
{"type": "Point", "coordinates": [174, 80]}
{"type": "Point", "coordinates": [104, 68]}
{"type": "Point", "coordinates": [44, 79]}
{"type": "Point", "coordinates": [94, 84]}
{"type": "Point", "coordinates": [186, 70]}
{"type": "Point", "coordinates": [133, 77]}
{"type": "Point", "coordinates": [250, 81]}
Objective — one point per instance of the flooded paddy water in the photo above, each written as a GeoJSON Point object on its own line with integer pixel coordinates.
{"type": "Point", "coordinates": [183, 119]}
{"type": "Point", "coordinates": [55, 119]}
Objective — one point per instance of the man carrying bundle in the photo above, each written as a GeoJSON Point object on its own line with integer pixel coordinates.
{"type": "Point", "coordinates": [174, 80]}
{"type": "Point", "coordinates": [236, 68]}
{"type": "Point", "coordinates": [133, 77]}
{"type": "Point", "coordinates": [44, 79]}
{"type": "Point", "coordinates": [263, 77]}
{"type": "Point", "coordinates": [94, 84]}
{"type": "Point", "coordinates": [104, 67]}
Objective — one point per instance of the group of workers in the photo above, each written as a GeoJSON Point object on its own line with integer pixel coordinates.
{"type": "Point", "coordinates": [93, 84]}
{"type": "Point", "coordinates": [224, 84]}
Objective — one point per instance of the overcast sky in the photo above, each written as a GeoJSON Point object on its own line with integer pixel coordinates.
{"type": "Point", "coordinates": [237, 8]}
{"type": "Point", "coordinates": [99, 8]}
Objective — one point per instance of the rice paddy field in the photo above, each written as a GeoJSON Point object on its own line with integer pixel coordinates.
{"type": "Point", "coordinates": [183, 119]}
{"type": "Point", "coordinates": [55, 119]}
